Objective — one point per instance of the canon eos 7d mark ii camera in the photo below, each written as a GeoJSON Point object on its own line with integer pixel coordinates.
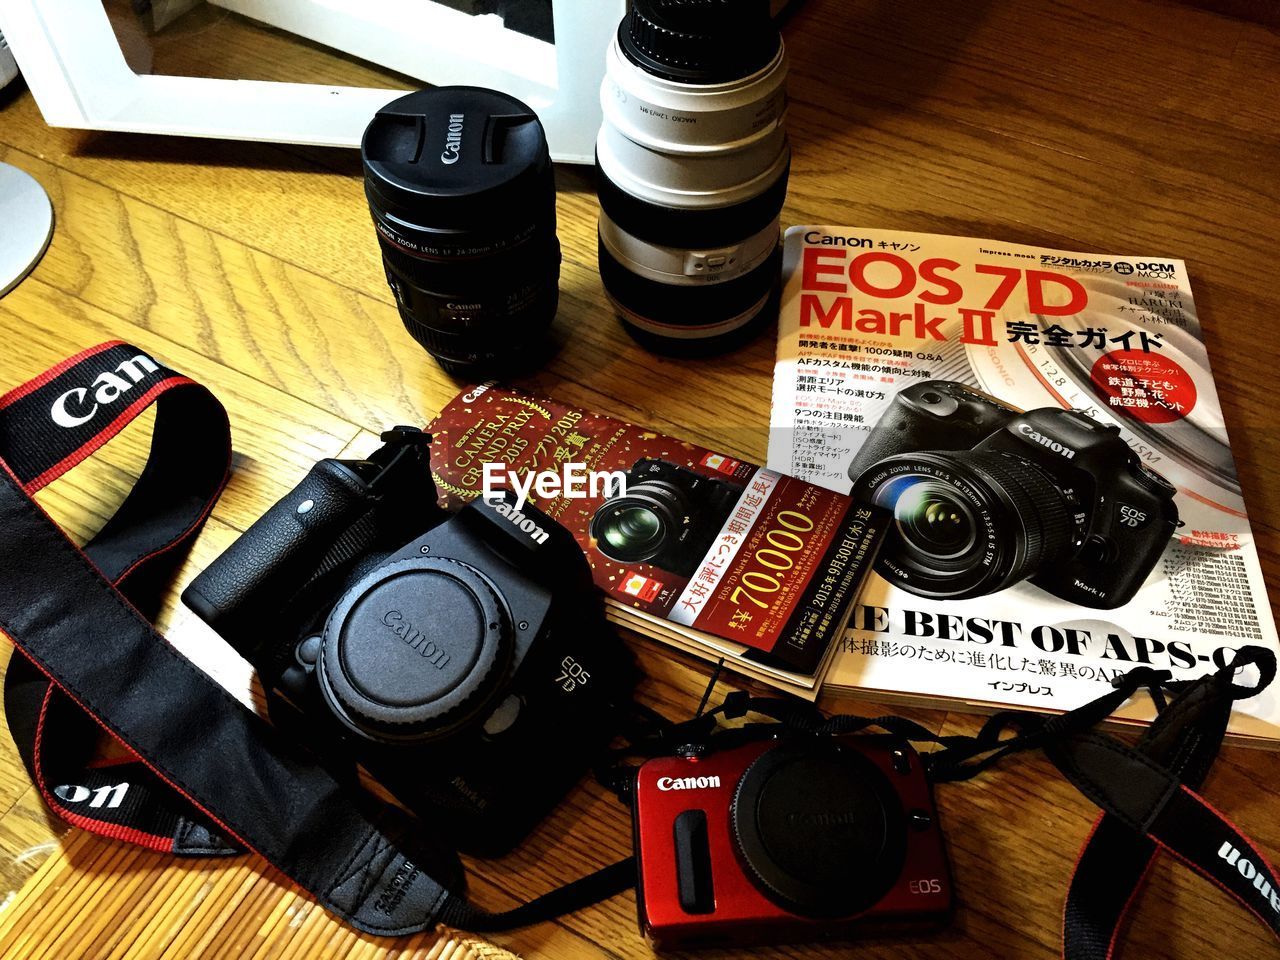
{"type": "Point", "coordinates": [463, 660]}
{"type": "Point", "coordinates": [985, 495]}
{"type": "Point", "coordinates": [797, 836]}
{"type": "Point", "coordinates": [668, 517]}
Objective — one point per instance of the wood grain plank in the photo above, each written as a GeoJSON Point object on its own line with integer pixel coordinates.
{"type": "Point", "coordinates": [301, 332]}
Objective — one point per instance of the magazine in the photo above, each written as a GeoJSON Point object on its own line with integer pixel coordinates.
{"type": "Point", "coordinates": [1045, 428]}
{"type": "Point", "coordinates": [703, 551]}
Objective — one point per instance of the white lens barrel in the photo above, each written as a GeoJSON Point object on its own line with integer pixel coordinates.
{"type": "Point", "coordinates": [692, 146]}
{"type": "Point", "coordinates": [680, 266]}
{"type": "Point", "coordinates": [692, 118]}
{"type": "Point", "coordinates": [692, 182]}
{"type": "Point", "coordinates": [692, 177]}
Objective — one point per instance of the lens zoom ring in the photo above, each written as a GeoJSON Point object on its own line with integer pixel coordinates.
{"type": "Point", "coordinates": [1038, 503]}
{"type": "Point", "coordinates": [695, 227]}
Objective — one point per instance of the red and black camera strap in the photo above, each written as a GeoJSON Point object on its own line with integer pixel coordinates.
{"type": "Point", "coordinates": [1147, 792]}
{"type": "Point", "coordinates": [204, 774]}
{"type": "Point", "coordinates": [1150, 802]}
{"type": "Point", "coordinates": [47, 427]}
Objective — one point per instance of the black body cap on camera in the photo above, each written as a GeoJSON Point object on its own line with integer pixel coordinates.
{"type": "Point", "coordinates": [458, 157]}
{"type": "Point", "coordinates": [700, 41]}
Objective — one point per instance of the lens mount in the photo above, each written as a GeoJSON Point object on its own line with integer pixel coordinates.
{"type": "Point", "coordinates": [819, 829]}
{"type": "Point", "coordinates": [966, 524]}
{"type": "Point", "coordinates": [414, 650]}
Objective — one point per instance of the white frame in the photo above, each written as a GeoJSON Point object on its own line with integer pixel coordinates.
{"type": "Point", "coordinates": [73, 64]}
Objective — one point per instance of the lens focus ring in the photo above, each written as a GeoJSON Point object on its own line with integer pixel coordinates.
{"type": "Point", "coordinates": [1039, 504]}
{"type": "Point", "coordinates": [699, 41]}
{"type": "Point", "coordinates": [968, 523]}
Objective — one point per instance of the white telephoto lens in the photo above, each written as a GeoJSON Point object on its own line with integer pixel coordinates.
{"type": "Point", "coordinates": [693, 162]}
{"type": "Point", "coordinates": [8, 65]}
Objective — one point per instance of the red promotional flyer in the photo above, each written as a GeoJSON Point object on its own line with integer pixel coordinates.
{"type": "Point", "coordinates": [695, 546]}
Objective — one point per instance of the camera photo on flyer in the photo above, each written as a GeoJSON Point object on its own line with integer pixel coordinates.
{"type": "Point", "coordinates": [1043, 427]}
{"type": "Point", "coordinates": [702, 550]}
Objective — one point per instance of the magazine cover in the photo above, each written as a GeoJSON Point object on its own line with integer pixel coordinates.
{"type": "Point", "coordinates": [700, 549]}
{"type": "Point", "coordinates": [1045, 429]}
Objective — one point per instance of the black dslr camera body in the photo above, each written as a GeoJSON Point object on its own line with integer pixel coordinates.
{"type": "Point", "coordinates": [668, 517]}
{"type": "Point", "coordinates": [985, 495]}
{"type": "Point", "coordinates": [470, 670]}
{"type": "Point", "coordinates": [792, 836]}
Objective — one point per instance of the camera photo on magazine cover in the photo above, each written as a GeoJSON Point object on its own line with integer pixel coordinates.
{"type": "Point", "coordinates": [1044, 428]}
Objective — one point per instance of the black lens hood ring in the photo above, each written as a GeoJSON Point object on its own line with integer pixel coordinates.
{"type": "Point", "coordinates": [978, 488]}
{"type": "Point", "coordinates": [691, 227]}
{"type": "Point", "coordinates": [663, 498]}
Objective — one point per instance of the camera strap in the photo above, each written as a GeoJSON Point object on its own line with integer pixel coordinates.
{"type": "Point", "coordinates": [48, 426]}
{"type": "Point", "coordinates": [1148, 792]}
{"type": "Point", "coordinates": [202, 775]}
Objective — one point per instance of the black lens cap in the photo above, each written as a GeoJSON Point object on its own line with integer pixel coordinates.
{"type": "Point", "coordinates": [457, 158]}
{"type": "Point", "coordinates": [819, 828]}
{"type": "Point", "coordinates": [700, 41]}
{"type": "Point", "coordinates": [414, 649]}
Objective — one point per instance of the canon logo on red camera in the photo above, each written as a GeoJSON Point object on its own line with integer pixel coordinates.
{"type": "Point", "coordinates": [687, 783]}
{"type": "Point", "coordinates": [786, 837]}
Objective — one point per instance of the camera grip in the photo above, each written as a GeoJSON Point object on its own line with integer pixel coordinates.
{"type": "Point", "coordinates": [933, 415]}
{"type": "Point", "coordinates": [253, 579]}
{"type": "Point", "coordinates": [890, 437]}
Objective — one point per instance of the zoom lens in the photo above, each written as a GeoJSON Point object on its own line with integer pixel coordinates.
{"type": "Point", "coordinates": [637, 527]}
{"type": "Point", "coordinates": [934, 520]}
{"type": "Point", "coordinates": [462, 193]}
{"type": "Point", "coordinates": [631, 529]}
{"type": "Point", "coordinates": [966, 524]}
{"type": "Point", "coordinates": [692, 163]}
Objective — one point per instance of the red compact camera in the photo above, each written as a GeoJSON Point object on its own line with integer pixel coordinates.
{"type": "Point", "coordinates": [793, 837]}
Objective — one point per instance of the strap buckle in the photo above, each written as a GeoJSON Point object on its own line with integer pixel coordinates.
{"type": "Point", "coordinates": [1153, 680]}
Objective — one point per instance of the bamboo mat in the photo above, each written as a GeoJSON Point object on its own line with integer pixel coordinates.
{"type": "Point", "coordinates": [98, 899]}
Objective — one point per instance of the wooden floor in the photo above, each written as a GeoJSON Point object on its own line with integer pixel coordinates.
{"type": "Point", "coordinates": [1142, 127]}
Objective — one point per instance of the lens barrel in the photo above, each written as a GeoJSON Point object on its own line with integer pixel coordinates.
{"type": "Point", "coordinates": [967, 524]}
{"type": "Point", "coordinates": [692, 168]}
{"type": "Point", "coordinates": [638, 526]}
{"type": "Point", "coordinates": [462, 193]}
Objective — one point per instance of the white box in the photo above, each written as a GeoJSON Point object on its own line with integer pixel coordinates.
{"type": "Point", "coordinates": [73, 64]}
